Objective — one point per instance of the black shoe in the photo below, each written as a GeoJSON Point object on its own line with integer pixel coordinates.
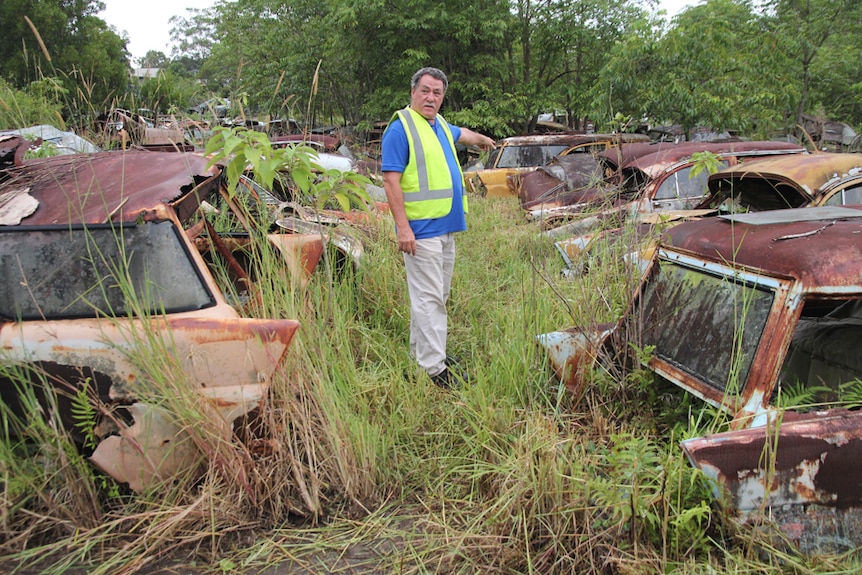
{"type": "Point", "coordinates": [448, 380]}
{"type": "Point", "coordinates": [452, 360]}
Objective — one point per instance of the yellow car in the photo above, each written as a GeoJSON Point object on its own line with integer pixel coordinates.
{"type": "Point", "coordinates": [522, 154]}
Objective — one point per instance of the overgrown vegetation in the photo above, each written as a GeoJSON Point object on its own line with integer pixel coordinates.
{"type": "Point", "coordinates": [751, 66]}
{"type": "Point", "coordinates": [356, 461]}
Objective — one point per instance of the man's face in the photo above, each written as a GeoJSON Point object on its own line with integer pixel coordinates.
{"type": "Point", "coordinates": [427, 96]}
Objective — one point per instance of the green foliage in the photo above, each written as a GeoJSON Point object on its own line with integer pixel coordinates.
{"type": "Point", "coordinates": [655, 495]}
{"type": "Point", "coordinates": [39, 102]}
{"type": "Point", "coordinates": [154, 59]}
{"type": "Point", "coordinates": [715, 67]}
{"type": "Point", "coordinates": [84, 414]}
{"type": "Point", "coordinates": [851, 394]}
{"type": "Point", "coordinates": [801, 397]}
{"type": "Point", "coordinates": [807, 36]}
{"type": "Point", "coordinates": [720, 64]}
{"type": "Point", "coordinates": [44, 150]}
{"type": "Point", "coordinates": [167, 93]}
{"type": "Point", "coordinates": [293, 167]}
{"type": "Point", "coordinates": [41, 466]}
{"type": "Point", "coordinates": [240, 148]}
{"type": "Point", "coordinates": [63, 40]}
{"type": "Point", "coordinates": [704, 162]}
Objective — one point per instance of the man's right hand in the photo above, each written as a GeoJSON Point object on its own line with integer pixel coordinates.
{"type": "Point", "coordinates": [407, 241]}
{"type": "Point", "coordinates": [395, 198]}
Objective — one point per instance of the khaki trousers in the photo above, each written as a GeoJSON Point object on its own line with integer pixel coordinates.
{"type": "Point", "coordinates": [429, 277]}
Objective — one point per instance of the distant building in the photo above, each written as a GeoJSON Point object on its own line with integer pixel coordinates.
{"type": "Point", "coordinates": [144, 73]}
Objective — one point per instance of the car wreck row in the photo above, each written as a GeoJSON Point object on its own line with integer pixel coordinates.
{"type": "Point", "coordinates": [101, 262]}
{"type": "Point", "coordinates": [744, 301]}
{"type": "Point", "coordinates": [753, 179]}
{"type": "Point", "coordinates": [739, 310]}
{"type": "Point", "coordinates": [741, 301]}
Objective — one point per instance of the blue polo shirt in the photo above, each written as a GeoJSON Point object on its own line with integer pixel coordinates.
{"type": "Point", "coordinates": [396, 153]}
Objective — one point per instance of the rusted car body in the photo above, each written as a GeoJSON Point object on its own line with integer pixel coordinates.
{"type": "Point", "coordinates": [649, 178]}
{"type": "Point", "coordinates": [60, 142]}
{"type": "Point", "coordinates": [738, 310]}
{"type": "Point", "coordinates": [564, 181]}
{"type": "Point", "coordinates": [324, 142]}
{"type": "Point", "coordinates": [820, 179]}
{"type": "Point", "coordinates": [828, 134]}
{"type": "Point", "coordinates": [13, 148]}
{"type": "Point", "coordinates": [518, 155]}
{"type": "Point", "coordinates": [676, 133]}
{"type": "Point", "coordinates": [644, 185]}
{"type": "Point", "coordinates": [775, 182]}
{"type": "Point", "coordinates": [102, 274]}
{"type": "Point", "coordinates": [122, 129]}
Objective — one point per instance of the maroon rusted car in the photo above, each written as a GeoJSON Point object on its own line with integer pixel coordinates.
{"type": "Point", "coordinates": [100, 273]}
{"type": "Point", "coordinates": [741, 311]}
{"type": "Point", "coordinates": [645, 179]}
{"type": "Point", "coordinates": [643, 184]}
{"type": "Point", "coordinates": [500, 175]}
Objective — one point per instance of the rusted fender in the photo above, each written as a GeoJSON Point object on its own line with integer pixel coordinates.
{"type": "Point", "coordinates": [228, 361]}
{"type": "Point", "coordinates": [300, 252]}
{"type": "Point", "coordinates": [573, 353]}
{"type": "Point", "coordinates": [812, 459]}
{"type": "Point", "coordinates": [212, 351]}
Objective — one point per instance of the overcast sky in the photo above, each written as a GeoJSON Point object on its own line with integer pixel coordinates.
{"type": "Point", "coordinates": [146, 23]}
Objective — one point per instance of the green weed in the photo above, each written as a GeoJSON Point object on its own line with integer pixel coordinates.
{"type": "Point", "coordinates": [356, 461]}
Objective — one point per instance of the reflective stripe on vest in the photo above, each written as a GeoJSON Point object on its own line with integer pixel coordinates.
{"type": "Point", "coordinates": [421, 201]}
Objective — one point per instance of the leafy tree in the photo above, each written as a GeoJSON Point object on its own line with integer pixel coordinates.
{"type": "Point", "coordinates": [838, 74]}
{"type": "Point", "coordinates": [193, 39]}
{"type": "Point", "coordinates": [314, 56]}
{"type": "Point", "coordinates": [168, 93]}
{"type": "Point", "coordinates": [154, 59]}
{"type": "Point", "coordinates": [184, 67]}
{"type": "Point", "coordinates": [722, 63]}
{"type": "Point", "coordinates": [247, 42]}
{"type": "Point", "coordinates": [817, 35]}
{"type": "Point", "coordinates": [563, 46]}
{"type": "Point", "coordinates": [63, 39]}
{"type": "Point", "coordinates": [717, 66]}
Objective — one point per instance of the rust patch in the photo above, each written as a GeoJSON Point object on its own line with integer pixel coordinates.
{"type": "Point", "coordinates": [806, 459]}
{"type": "Point", "coordinates": [108, 186]}
{"type": "Point", "coordinates": [828, 258]}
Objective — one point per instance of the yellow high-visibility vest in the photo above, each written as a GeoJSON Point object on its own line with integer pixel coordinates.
{"type": "Point", "coordinates": [426, 180]}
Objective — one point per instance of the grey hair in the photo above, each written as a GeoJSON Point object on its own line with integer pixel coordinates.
{"type": "Point", "coordinates": [435, 73]}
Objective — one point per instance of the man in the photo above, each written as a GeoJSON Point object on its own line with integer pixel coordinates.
{"type": "Point", "coordinates": [425, 190]}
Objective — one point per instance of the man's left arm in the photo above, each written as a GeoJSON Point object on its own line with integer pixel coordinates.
{"type": "Point", "coordinates": [471, 138]}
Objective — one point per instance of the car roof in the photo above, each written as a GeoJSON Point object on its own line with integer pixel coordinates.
{"type": "Point", "coordinates": [642, 156]}
{"type": "Point", "coordinates": [820, 247]}
{"type": "Point", "coordinates": [109, 186]}
{"type": "Point", "coordinates": [809, 174]}
{"type": "Point", "coordinates": [329, 143]}
{"type": "Point", "coordinates": [568, 139]}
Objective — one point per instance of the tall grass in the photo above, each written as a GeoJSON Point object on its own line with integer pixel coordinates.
{"type": "Point", "coordinates": [356, 461]}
